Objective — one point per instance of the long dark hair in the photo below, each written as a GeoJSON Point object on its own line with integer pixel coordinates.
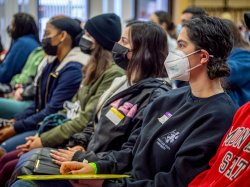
{"type": "Point", "coordinates": [24, 24]}
{"type": "Point", "coordinates": [150, 49]}
{"type": "Point", "coordinates": [100, 60]}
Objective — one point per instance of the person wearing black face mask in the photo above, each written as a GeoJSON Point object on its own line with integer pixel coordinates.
{"type": "Point", "coordinates": [181, 130]}
{"type": "Point", "coordinates": [98, 75]}
{"type": "Point", "coordinates": [122, 105]}
{"type": "Point", "coordinates": [86, 44]}
{"type": "Point", "coordinates": [48, 48]}
{"type": "Point", "coordinates": [120, 53]}
{"type": "Point", "coordinates": [58, 82]}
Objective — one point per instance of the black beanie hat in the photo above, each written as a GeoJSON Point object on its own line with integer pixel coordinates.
{"type": "Point", "coordinates": [71, 26]}
{"type": "Point", "coordinates": [105, 29]}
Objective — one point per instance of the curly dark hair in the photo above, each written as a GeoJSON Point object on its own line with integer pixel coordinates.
{"type": "Point", "coordinates": [213, 35]}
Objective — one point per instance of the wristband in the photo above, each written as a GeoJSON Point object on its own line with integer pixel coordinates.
{"type": "Point", "coordinates": [93, 165]}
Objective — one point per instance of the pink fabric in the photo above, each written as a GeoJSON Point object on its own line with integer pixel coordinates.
{"type": "Point", "coordinates": [7, 165]}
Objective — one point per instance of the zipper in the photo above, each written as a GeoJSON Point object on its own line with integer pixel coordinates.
{"type": "Point", "coordinates": [39, 97]}
{"type": "Point", "coordinates": [55, 75]}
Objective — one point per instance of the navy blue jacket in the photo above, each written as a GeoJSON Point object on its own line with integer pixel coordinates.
{"type": "Point", "coordinates": [16, 57]}
{"type": "Point", "coordinates": [53, 90]}
{"type": "Point", "coordinates": [239, 80]}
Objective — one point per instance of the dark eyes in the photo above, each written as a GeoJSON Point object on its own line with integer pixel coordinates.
{"type": "Point", "coordinates": [181, 45]}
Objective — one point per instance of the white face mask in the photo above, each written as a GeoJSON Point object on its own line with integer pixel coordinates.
{"type": "Point", "coordinates": [177, 65]}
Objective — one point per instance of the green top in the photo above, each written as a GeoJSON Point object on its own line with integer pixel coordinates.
{"type": "Point", "coordinates": [88, 97]}
{"type": "Point", "coordinates": [30, 67]}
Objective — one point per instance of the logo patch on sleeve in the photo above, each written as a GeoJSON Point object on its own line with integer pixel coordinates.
{"type": "Point", "coordinates": [165, 117]}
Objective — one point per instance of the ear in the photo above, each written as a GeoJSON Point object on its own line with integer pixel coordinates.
{"type": "Point", "coordinates": [63, 36]}
{"type": "Point", "coordinates": [204, 57]}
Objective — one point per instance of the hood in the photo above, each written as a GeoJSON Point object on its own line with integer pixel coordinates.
{"type": "Point", "coordinates": [239, 54]}
{"type": "Point", "coordinates": [149, 83]}
{"type": "Point", "coordinates": [75, 55]}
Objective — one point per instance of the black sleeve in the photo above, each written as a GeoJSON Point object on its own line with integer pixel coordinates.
{"type": "Point", "coordinates": [83, 137]}
{"type": "Point", "coordinates": [192, 157]}
{"type": "Point", "coordinates": [118, 161]}
{"type": "Point", "coordinates": [91, 156]}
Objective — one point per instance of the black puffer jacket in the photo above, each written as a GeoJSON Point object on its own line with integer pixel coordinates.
{"type": "Point", "coordinates": [120, 116]}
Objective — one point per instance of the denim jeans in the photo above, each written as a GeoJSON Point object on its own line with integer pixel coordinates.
{"type": "Point", "coordinates": [11, 143]}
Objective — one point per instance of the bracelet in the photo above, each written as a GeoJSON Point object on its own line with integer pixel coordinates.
{"type": "Point", "coordinates": [93, 165]}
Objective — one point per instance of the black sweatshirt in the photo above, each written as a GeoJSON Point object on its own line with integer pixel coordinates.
{"type": "Point", "coordinates": [179, 135]}
{"type": "Point", "coordinates": [121, 115]}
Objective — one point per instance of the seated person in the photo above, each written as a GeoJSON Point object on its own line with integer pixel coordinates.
{"type": "Point", "coordinates": [182, 130]}
{"type": "Point", "coordinates": [230, 165]}
{"type": "Point", "coordinates": [14, 101]}
{"type": "Point", "coordinates": [238, 82]}
{"type": "Point", "coordinates": [58, 82]}
{"type": "Point", "coordinates": [25, 38]}
{"type": "Point", "coordinates": [99, 72]}
{"type": "Point", "coordinates": [122, 112]}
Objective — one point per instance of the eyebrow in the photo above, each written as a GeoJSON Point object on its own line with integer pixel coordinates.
{"type": "Point", "coordinates": [181, 41]}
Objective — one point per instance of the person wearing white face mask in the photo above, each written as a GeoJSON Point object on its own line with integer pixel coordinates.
{"type": "Point", "coordinates": [187, 14]}
{"type": "Point", "coordinates": [177, 64]}
{"type": "Point", "coordinates": [182, 129]}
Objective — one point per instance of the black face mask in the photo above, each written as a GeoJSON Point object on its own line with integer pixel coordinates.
{"type": "Point", "coordinates": [85, 45]}
{"type": "Point", "coordinates": [48, 48]}
{"type": "Point", "coordinates": [120, 55]}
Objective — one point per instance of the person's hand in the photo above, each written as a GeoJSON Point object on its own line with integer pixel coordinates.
{"type": "Point", "coordinates": [18, 94]}
{"type": "Point", "coordinates": [77, 148]}
{"type": "Point", "coordinates": [32, 142]}
{"type": "Point", "coordinates": [12, 121]}
{"type": "Point", "coordinates": [24, 148]}
{"type": "Point", "coordinates": [62, 155]}
{"type": "Point", "coordinates": [6, 133]}
{"type": "Point", "coordinates": [36, 142]}
{"type": "Point", "coordinates": [76, 168]}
